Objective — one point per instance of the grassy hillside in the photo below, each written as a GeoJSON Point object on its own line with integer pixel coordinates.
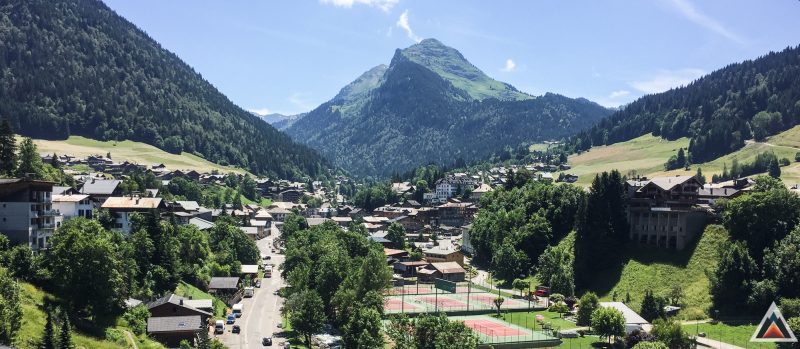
{"type": "Point", "coordinates": [136, 152]}
{"type": "Point", "coordinates": [186, 290]}
{"type": "Point", "coordinates": [33, 321]}
{"type": "Point", "coordinates": [647, 155]}
{"type": "Point", "coordinates": [658, 269]}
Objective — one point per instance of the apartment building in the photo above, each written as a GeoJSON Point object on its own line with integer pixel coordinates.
{"type": "Point", "coordinates": [26, 211]}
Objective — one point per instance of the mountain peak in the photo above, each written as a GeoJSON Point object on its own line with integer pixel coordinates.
{"type": "Point", "coordinates": [451, 65]}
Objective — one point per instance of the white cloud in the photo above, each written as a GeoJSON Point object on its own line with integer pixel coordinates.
{"type": "Point", "coordinates": [667, 79]}
{"type": "Point", "coordinates": [300, 100]}
{"type": "Point", "coordinates": [384, 5]}
{"type": "Point", "coordinates": [402, 22]}
{"type": "Point", "coordinates": [510, 66]}
{"type": "Point", "coordinates": [618, 94]}
{"type": "Point", "coordinates": [691, 13]}
{"type": "Point", "coordinates": [260, 111]}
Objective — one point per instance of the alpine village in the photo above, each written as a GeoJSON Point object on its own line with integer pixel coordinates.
{"type": "Point", "coordinates": [425, 205]}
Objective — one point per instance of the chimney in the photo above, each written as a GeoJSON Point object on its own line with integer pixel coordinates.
{"type": "Point", "coordinates": [181, 302]}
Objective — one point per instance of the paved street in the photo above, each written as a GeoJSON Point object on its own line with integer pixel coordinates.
{"type": "Point", "coordinates": [261, 314]}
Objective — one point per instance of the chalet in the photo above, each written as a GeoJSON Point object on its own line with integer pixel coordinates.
{"type": "Point", "coordinates": [408, 268]}
{"type": "Point", "coordinates": [409, 223]}
{"type": "Point", "coordinates": [400, 255]}
{"type": "Point", "coordinates": [456, 214]}
{"type": "Point", "coordinates": [480, 191]}
{"type": "Point", "coordinates": [443, 253]}
{"type": "Point", "coordinates": [123, 208]}
{"type": "Point", "coordinates": [709, 196]}
{"type": "Point", "coordinates": [343, 222]}
{"type": "Point", "coordinates": [201, 224]}
{"type": "Point", "coordinates": [226, 288]}
{"type": "Point", "coordinates": [172, 320]}
{"type": "Point", "coordinates": [291, 195]}
{"type": "Point", "coordinates": [450, 271]}
{"type": "Point", "coordinates": [403, 189]}
{"type": "Point", "coordinates": [664, 211]}
{"type": "Point", "coordinates": [251, 232]}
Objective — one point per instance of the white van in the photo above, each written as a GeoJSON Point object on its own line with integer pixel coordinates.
{"type": "Point", "coordinates": [249, 292]}
{"type": "Point", "coordinates": [219, 327]}
{"type": "Point", "coordinates": [237, 309]}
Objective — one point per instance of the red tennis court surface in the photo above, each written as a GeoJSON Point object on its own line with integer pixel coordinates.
{"type": "Point", "coordinates": [491, 328]}
{"type": "Point", "coordinates": [397, 304]}
{"type": "Point", "coordinates": [443, 302]}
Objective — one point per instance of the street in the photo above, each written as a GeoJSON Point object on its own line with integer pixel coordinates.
{"type": "Point", "coordinates": [261, 314]}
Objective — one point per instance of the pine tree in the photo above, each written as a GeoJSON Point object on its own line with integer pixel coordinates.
{"type": "Point", "coordinates": [8, 149]}
{"type": "Point", "coordinates": [30, 162]}
{"type": "Point", "coordinates": [65, 336]}
{"type": "Point", "coordinates": [700, 177]}
{"type": "Point", "coordinates": [54, 161]}
{"type": "Point", "coordinates": [203, 341]}
{"type": "Point", "coordinates": [774, 169]}
{"type": "Point", "coordinates": [49, 336]}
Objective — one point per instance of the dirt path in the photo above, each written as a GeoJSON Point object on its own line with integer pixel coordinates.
{"type": "Point", "coordinates": [710, 343]}
{"type": "Point", "coordinates": [131, 339]}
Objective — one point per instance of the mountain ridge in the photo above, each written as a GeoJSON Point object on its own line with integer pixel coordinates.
{"type": "Point", "coordinates": [99, 76]}
{"type": "Point", "coordinates": [431, 104]}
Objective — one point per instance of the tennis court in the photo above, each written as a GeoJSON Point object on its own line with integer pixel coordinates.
{"type": "Point", "coordinates": [495, 331]}
{"type": "Point", "coordinates": [449, 302]}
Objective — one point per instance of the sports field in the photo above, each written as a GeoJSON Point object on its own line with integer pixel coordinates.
{"type": "Point", "coordinates": [495, 331]}
{"type": "Point", "coordinates": [450, 302]}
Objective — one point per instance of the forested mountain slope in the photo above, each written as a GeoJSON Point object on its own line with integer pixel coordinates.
{"type": "Point", "coordinates": [77, 68]}
{"type": "Point", "coordinates": [718, 112]}
{"type": "Point", "coordinates": [432, 105]}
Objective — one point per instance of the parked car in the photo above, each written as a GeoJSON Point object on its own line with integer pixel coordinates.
{"type": "Point", "coordinates": [231, 319]}
{"type": "Point", "coordinates": [258, 283]}
{"type": "Point", "coordinates": [236, 329]}
{"type": "Point", "coordinates": [268, 257]}
{"type": "Point", "coordinates": [266, 341]}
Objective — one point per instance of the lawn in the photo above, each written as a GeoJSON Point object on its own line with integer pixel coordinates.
{"type": "Point", "coordinates": [528, 320]}
{"type": "Point", "coordinates": [186, 290]}
{"type": "Point", "coordinates": [34, 318]}
{"type": "Point", "coordinates": [658, 270]}
{"type": "Point", "coordinates": [738, 333]}
{"type": "Point", "coordinates": [136, 152]}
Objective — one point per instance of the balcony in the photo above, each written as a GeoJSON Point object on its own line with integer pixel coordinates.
{"type": "Point", "coordinates": [34, 214]}
{"type": "Point", "coordinates": [47, 225]}
{"type": "Point", "coordinates": [50, 213]}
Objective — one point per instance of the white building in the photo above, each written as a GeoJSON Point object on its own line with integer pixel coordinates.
{"type": "Point", "coordinates": [451, 185]}
{"type": "Point", "coordinates": [73, 205]}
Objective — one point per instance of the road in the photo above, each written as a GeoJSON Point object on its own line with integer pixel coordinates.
{"type": "Point", "coordinates": [261, 314]}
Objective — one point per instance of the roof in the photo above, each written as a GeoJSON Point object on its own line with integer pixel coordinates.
{"type": "Point", "coordinates": [176, 300]}
{"type": "Point", "coordinates": [131, 202]}
{"type": "Point", "coordinates": [201, 224]}
{"type": "Point", "coordinates": [631, 317]}
{"type": "Point", "coordinates": [174, 324]}
{"type": "Point", "coordinates": [667, 183]}
{"type": "Point", "coordinates": [448, 267]}
{"type": "Point", "coordinates": [341, 219]}
{"type": "Point", "coordinates": [713, 192]}
{"type": "Point", "coordinates": [100, 186]}
{"type": "Point", "coordinates": [393, 252]}
{"type": "Point", "coordinates": [199, 303]}
{"type": "Point", "coordinates": [378, 239]}
{"type": "Point", "coordinates": [440, 250]}
{"type": "Point", "coordinates": [223, 283]}
{"type": "Point", "coordinates": [258, 223]}
{"type": "Point", "coordinates": [188, 205]}
{"type": "Point", "coordinates": [315, 221]}
{"type": "Point", "coordinates": [249, 268]}
{"type": "Point", "coordinates": [70, 198]}
{"type": "Point", "coordinates": [249, 230]}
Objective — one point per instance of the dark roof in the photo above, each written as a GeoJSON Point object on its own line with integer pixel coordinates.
{"type": "Point", "coordinates": [175, 300]}
{"type": "Point", "coordinates": [174, 323]}
{"type": "Point", "coordinates": [378, 239]}
{"type": "Point", "coordinates": [223, 283]}
{"type": "Point", "coordinates": [100, 186]}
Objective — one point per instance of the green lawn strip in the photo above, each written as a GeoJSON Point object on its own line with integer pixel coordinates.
{"type": "Point", "coordinates": [738, 333]}
{"type": "Point", "coordinates": [187, 290]}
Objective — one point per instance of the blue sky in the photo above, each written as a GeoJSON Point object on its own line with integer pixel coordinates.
{"type": "Point", "coordinates": [291, 56]}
